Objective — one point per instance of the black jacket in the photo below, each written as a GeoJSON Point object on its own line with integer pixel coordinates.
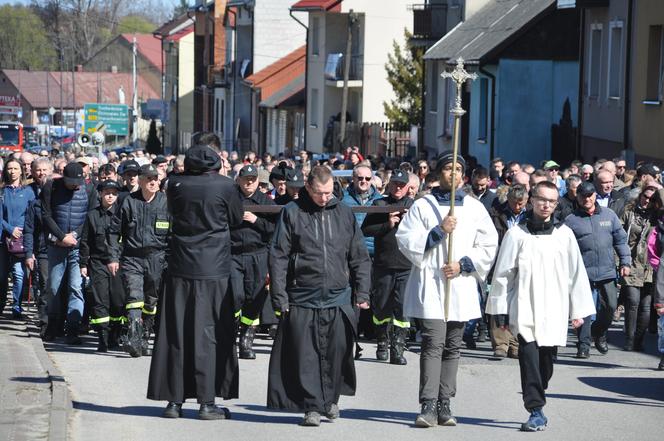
{"type": "Point", "coordinates": [34, 239]}
{"type": "Point", "coordinates": [204, 207]}
{"type": "Point", "coordinates": [386, 249]}
{"type": "Point", "coordinates": [318, 258]}
{"type": "Point", "coordinates": [143, 227]}
{"type": "Point", "coordinates": [94, 239]}
{"type": "Point", "coordinates": [565, 207]}
{"type": "Point", "coordinates": [248, 237]}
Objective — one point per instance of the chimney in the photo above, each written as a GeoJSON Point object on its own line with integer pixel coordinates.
{"type": "Point", "coordinates": [114, 69]}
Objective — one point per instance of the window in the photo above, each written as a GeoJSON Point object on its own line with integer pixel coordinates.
{"type": "Point", "coordinates": [432, 96]}
{"type": "Point", "coordinates": [595, 58]}
{"type": "Point", "coordinates": [484, 109]}
{"type": "Point", "coordinates": [615, 59]}
{"type": "Point", "coordinates": [655, 65]}
{"type": "Point", "coordinates": [315, 36]}
{"type": "Point", "coordinates": [314, 108]}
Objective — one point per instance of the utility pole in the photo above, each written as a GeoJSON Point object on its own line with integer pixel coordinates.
{"type": "Point", "coordinates": [206, 69]}
{"type": "Point", "coordinates": [62, 114]}
{"type": "Point", "coordinates": [135, 93]}
{"type": "Point", "coordinates": [352, 18]}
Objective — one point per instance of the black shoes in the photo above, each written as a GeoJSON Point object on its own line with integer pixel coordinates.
{"type": "Point", "coordinates": [469, 341]}
{"type": "Point", "coordinates": [661, 364]}
{"type": "Point", "coordinates": [428, 416]}
{"type": "Point", "coordinates": [583, 353]}
{"type": "Point", "coordinates": [601, 345]}
{"type": "Point", "coordinates": [173, 410]}
{"type": "Point", "coordinates": [213, 412]}
{"type": "Point", "coordinates": [445, 417]}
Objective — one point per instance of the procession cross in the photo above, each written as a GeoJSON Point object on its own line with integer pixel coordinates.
{"type": "Point", "coordinates": [459, 75]}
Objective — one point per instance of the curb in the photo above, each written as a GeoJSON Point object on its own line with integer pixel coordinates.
{"type": "Point", "coordinates": [61, 403]}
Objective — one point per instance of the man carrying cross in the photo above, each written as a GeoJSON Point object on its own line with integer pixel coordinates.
{"type": "Point", "coordinates": [423, 238]}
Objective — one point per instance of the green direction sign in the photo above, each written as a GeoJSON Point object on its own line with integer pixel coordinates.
{"type": "Point", "coordinates": [115, 118]}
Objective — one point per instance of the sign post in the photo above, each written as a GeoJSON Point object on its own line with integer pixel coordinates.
{"type": "Point", "coordinates": [114, 117]}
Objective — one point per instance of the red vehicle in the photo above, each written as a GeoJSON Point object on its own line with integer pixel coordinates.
{"type": "Point", "coordinates": [11, 136]}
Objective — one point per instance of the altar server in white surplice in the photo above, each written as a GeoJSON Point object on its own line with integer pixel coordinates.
{"type": "Point", "coordinates": [538, 285]}
{"type": "Point", "coordinates": [422, 238]}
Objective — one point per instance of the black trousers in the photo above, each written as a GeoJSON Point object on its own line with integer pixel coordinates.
{"type": "Point", "coordinates": [638, 301]}
{"type": "Point", "coordinates": [536, 367]}
{"type": "Point", "coordinates": [387, 296]}
{"type": "Point", "coordinates": [141, 278]}
{"type": "Point", "coordinates": [108, 297]}
{"type": "Point", "coordinates": [248, 275]}
{"type": "Point", "coordinates": [40, 287]}
{"type": "Point", "coordinates": [607, 302]}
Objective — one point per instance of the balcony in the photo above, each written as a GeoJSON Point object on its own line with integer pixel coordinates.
{"type": "Point", "coordinates": [334, 70]}
{"type": "Point", "coordinates": [429, 21]}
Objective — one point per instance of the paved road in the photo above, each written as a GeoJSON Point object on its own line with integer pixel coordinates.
{"type": "Point", "coordinates": [614, 397]}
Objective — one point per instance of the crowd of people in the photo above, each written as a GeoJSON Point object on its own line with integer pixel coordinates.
{"type": "Point", "coordinates": [194, 248]}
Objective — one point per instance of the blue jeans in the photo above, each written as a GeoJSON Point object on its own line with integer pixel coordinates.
{"type": "Point", "coordinates": [63, 262]}
{"type": "Point", "coordinates": [471, 324]}
{"type": "Point", "coordinates": [10, 264]}
{"type": "Point", "coordinates": [660, 331]}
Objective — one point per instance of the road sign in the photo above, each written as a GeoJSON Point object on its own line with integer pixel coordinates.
{"type": "Point", "coordinates": [115, 118]}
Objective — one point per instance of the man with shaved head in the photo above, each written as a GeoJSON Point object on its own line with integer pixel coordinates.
{"type": "Point", "coordinates": [610, 166]}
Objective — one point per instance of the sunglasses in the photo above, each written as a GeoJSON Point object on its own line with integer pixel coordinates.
{"type": "Point", "coordinates": [363, 178]}
{"type": "Point", "coordinates": [554, 169]}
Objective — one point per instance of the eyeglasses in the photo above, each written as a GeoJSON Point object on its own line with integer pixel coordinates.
{"type": "Point", "coordinates": [544, 201]}
{"type": "Point", "coordinates": [363, 178]}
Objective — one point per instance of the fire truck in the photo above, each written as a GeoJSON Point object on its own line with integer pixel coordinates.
{"type": "Point", "coordinates": [11, 136]}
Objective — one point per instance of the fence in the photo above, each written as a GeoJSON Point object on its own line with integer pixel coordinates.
{"type": "Point", "coordinates": [377, 139]}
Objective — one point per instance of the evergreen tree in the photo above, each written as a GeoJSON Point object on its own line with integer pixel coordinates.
{"type": "Point", "coordinates": [404, 73]}
{"type": "Point", "coordinates": [153, 144]}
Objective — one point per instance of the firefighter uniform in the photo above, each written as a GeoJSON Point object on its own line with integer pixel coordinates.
{"type": "Point", "coordinates": [144, 230]}
{"type": "Point", "coordinates": [107, 292]}
{"type": "Point", "coordinates": [390, 274]}
{"type": "Point", "coordinates": [249, 265]}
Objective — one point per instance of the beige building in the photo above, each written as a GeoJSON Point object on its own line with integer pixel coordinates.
{"type": "Point", "coordinates": [647, 114]}
{"type": "Point", "coordinates": [377, 26]}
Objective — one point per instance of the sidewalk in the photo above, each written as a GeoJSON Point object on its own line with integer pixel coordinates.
{"type": "Point", "coordinates": [34, 401]}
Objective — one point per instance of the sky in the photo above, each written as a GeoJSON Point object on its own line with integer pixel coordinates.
{"type": "Point", "coordinates": [27, 2]}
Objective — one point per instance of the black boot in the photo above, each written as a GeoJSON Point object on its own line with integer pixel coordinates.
{"type": "Point", "coordinates": [638, 340]}
{"type": "Point", "coordinates": [247, 342]}
{"type": "Point", "coordinates": [398, 345]}
{"type": "Point", "coordinates": [114, 336]}
{"type": "Point", "coordinates": [661, 364]}
{"type": "Point", "coordinates": [382, 342]}
{"type": "Point", "coordinates": [629, 343]}
{"type": "Point", "coordinates": [134, 340]}
{"type": "Point", "coordinates": [72, 334]}
{"type": "Point", "coordinates": [445, 417]}
{"type": "Point", "coordinates": [148, 324]}
{"type": "Point", "coordinates": [49, 331]}
{"type": "Point", "coordinates": [102, 346]}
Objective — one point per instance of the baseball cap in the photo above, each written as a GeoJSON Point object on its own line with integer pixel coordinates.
{"type": "Point", "coordinates": [548, 165]}
{"type": "Point", "coordinates": [130, 166]}
{"type": "Point", "coordinates": [73, 174]}
{"type": "Point", "coordinates": [148, 170]}
{"type": "Point", "coordinates": [585, 189]}
{"type": "Point", "coordinates": [399, 176]}
{"type": "Point", "coordinates": [86, 160]}
{"type": "Point", "coordinates": [648, 169]}
{"type": "Point", "coordinates": [248, 170]}
{"type": "Point", "coordinates": [109, 183]}
{"type": "Point", "coordinates": [294, 178]}
{"type": "Point", "coordinates": [159, 159]}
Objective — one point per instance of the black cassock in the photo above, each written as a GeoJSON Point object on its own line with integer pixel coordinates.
{"type": "Point", "coordinates": [319, 267]}
{"type": "Point", "coordinates": [195, 354]}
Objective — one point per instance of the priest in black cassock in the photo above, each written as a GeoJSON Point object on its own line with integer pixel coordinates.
{"type": "Point", "coordinates": [195, 354]}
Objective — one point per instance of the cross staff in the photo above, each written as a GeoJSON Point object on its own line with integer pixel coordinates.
{"type": "Point", "coordinates": [459, 75]}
